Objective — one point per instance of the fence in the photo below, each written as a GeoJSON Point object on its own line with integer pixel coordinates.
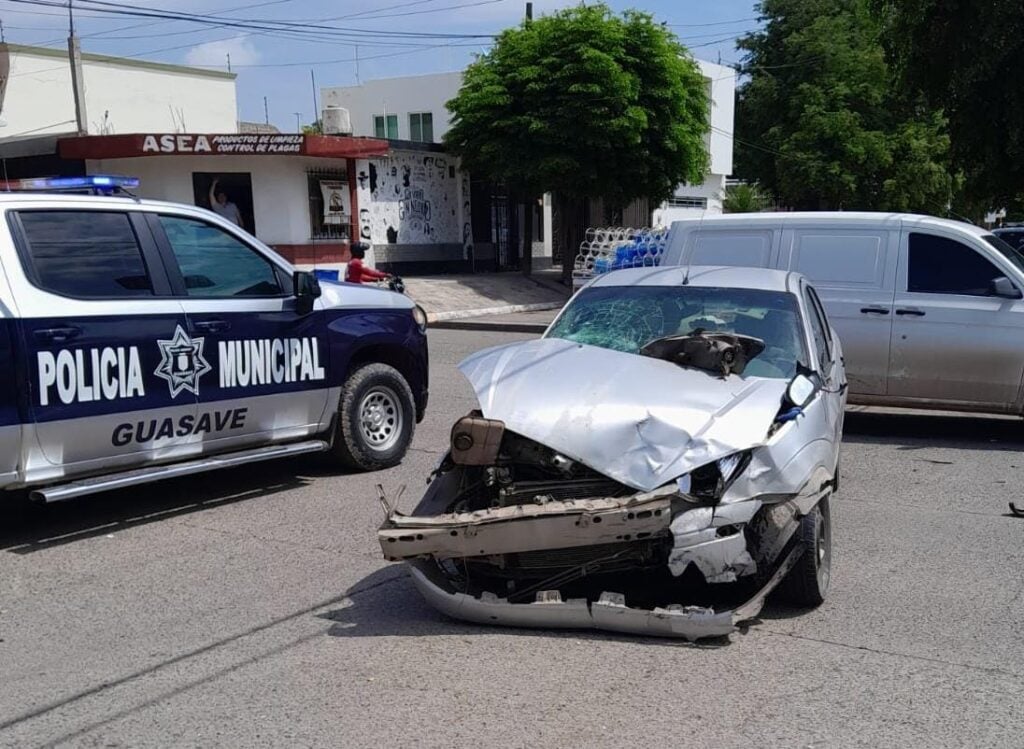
{"type": "Point", "coordinates": [614, 248]}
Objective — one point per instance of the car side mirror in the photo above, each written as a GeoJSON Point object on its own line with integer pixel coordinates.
{"type": "Point", "coordinates": [307, 290]}
{"type": "Point", "coordinates": [1003, 287]}
{"type": "Point", "coordinates": [801, 390]}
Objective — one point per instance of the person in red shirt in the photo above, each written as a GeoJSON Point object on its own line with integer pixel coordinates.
{"type": "Point", "coordinates": [356, 272]}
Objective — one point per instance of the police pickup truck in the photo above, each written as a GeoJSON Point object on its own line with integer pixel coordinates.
{"type": "Point", "coordinates": [142, 340]}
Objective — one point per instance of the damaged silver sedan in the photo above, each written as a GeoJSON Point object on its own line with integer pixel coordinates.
{"type": "Point", "coordinates": [657, 463]}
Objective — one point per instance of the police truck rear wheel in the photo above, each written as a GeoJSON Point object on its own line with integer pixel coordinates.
{"type": "Point", "coordinates": [376, 419]}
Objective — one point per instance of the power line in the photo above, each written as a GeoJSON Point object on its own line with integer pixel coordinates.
{"type": "Point", "coordinates": [716, 23]}
{"type": "Point", "coordinates": [361, 58]}
{"type": "Point", "coordinates": [749, 144]}
{"type": "Point", "coordinates": [267, 24]}
{"type": "Point", "coordinates": [257, 25]}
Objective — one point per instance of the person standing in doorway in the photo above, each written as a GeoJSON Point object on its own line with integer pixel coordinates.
{"type": "Point", "coordinates": [220, 204]}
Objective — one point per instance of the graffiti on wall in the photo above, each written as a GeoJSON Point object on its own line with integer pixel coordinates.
{"type": "Point", "coordinates": [467, 227]}
{"type": "Point", "coordinates": [411, 198]}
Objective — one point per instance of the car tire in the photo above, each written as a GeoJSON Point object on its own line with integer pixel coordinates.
{"type": "Point", "coordinates": [376, 419]}
{"type": "Point", "coordinates": [807, 583]}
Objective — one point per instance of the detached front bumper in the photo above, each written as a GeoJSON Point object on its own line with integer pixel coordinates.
{"type": "Point", "coordinates": [608, 613]}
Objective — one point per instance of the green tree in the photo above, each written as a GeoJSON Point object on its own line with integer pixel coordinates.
{"type": "Point", "coordinates": [583, 103]}
{"type": "Point", "coordinates": [967, 57]}
{"type": "Point", "coordinates": [821, 123]}
{"type": "Point", "coordinates": [315, 128]}
{"type": "Point", "coordinates": [745, 197]}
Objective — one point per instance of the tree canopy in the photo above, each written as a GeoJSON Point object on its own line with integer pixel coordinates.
{"type": "Point", "coordinates": [967, 57]}
{"type": "Point", "coordinates": [820, 122]}
{"type": "Point", "coordinates": [585, 103]}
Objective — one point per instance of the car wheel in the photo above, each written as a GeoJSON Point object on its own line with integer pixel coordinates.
{"type": "Point", "coordinates": [376, 419]}
{"type": "Point", "coordinates": [807, 583]}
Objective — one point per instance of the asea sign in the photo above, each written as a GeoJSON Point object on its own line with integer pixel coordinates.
{"type": "Point", "coordinates": [222, 144]}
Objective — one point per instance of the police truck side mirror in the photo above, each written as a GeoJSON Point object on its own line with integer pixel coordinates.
{"type": "Point", "coordinates": [307, 289]}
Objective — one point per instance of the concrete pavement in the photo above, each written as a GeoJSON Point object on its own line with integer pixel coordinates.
{"type": "Point", "coordinates": [447, 298]}
{"type": "Point", "coordinates": [252, 608]}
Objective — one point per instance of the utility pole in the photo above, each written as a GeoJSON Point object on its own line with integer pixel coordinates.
{"type": "Point", "coordinates": [229, 61]}
{"type": "Point", "coordinates": [529, 11]}
{"type": "Point", "coordinates": [3, 40]}
{"type": "Point", "coordinates": [316, 107]}
{"type": "Point", "coordinates": [298, 125]}
{"type": "Point", "coordinates": [358, 82]}
{"type": "Point", "coordinates": [77, 84]}
{"type": "Point", "coordinates": [266, 111]}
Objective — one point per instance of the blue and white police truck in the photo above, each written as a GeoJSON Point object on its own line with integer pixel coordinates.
{"type": "Point", "coordinates": [141, 340]}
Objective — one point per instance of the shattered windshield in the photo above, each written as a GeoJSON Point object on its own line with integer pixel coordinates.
{"type": "Point", "coordinates": [625, 318]}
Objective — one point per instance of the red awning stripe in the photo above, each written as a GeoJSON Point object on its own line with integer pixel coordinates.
{"type": "Point", "coordinates": [219, 144]}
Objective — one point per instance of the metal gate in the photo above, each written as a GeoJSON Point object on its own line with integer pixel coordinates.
{"type": "Point", "coordinates": [492, 219]}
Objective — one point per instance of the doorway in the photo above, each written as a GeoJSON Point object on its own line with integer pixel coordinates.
{"type": "Point", "coordinates": [237, 186]}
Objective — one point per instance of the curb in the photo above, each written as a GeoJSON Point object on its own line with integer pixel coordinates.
{"type": "Point", "coordinates": [497, 327]}
{"type": "Point", "coordinates": [508, 309]}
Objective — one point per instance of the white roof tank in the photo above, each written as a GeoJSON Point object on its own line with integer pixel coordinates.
{"type": "Point", "coordinates": [336, 121]}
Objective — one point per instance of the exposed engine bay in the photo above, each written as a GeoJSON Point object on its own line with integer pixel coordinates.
{"type": "Point", "coordinates": [506, 518]}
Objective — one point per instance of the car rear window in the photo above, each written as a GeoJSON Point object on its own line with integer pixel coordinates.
{"type": "Point", "coordinates": [84, 254]}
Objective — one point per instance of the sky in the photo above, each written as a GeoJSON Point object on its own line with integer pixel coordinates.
{"type": "Point", "coordinates": [277, 65]}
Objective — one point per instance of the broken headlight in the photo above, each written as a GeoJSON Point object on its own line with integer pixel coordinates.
{"type": "Point", "coordinates": [710, 481]}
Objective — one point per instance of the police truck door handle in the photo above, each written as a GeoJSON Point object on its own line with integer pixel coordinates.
{"type": "Point", "coordinates": [874, 311]}
{"type": "Point", "coordinates": [57, 335]}
{"type": "Point", "coordinates": [910, 311]}
{"type": "Point", "coordinates": [213, 326]}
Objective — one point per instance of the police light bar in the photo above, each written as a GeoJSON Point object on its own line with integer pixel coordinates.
{"type": "Point", "coordinates": [96, 182]}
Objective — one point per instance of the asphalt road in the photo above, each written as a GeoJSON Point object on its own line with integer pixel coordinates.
{"type": "Point", "coordinates": [252, 608]}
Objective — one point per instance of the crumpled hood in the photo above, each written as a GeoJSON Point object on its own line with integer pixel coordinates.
{"type": "Point", "coordinates": [640, 421]}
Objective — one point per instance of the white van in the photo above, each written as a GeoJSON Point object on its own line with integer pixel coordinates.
{"type": "Point", "coordinates": [929, 310]}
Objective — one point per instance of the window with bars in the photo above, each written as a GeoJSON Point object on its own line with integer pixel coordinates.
{"type": "Point", "coordinates": [421, 127]}
{"type": "Point", "coordinates": [685, 201]}
{"type": "Point", "coordinates": [385, 126]}
{"type": "Point", "coordinates": [330, 207]}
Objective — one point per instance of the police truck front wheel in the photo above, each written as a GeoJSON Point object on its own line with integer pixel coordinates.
{"type": "Point", "coordinates": [376, 418]}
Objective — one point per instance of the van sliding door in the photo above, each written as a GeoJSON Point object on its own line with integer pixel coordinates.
{"type": "Point", "coordinates": [854, 272]}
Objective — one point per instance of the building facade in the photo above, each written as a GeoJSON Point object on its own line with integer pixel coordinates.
{"type": "Point", "coordinates": [121, 95]}
{"type": "Point", "coordinates": [176, 129]}
{"type": "Point", "coordinates": [398, 108]}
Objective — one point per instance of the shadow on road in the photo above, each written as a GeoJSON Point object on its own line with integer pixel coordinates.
{"type": "Point", "coordinates": [27, 526]}
{"type": "Point", "coordinates": [922, 430]}
{"type": "Point", "coordinates": [387, 604]}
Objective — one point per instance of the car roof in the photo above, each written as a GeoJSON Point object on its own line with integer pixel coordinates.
{"type": "Point", "coordinates": [63, 199]}
{"type": "Point", "coordinates": [728, 277]}
{"type": "Point", "coordinates": [846, 217]}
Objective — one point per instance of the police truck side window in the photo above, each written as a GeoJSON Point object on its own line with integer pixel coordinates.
{"type": "Point", "coordinates": [215, 264]}
{"type": "Point", "coordinates": [92, 254]}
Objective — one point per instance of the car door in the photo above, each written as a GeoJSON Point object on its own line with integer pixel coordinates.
{"type": "Point", "coordinates": [953, 340]}
{"type": "Point", "coordinates": [95, 318]}
{"type": "Point", "coordinates": [828, 364]}
{"type": "Point", "coordinates": [854, 270]}
{"type": "Point", "coordinates": [269, 362]}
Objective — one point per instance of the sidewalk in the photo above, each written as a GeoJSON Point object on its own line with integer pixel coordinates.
{"type": "Point", "coordinates": [447, 299]}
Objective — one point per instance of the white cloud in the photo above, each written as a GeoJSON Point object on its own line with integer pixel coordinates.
{"type": "Point", "coordinates": [215, 53]}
